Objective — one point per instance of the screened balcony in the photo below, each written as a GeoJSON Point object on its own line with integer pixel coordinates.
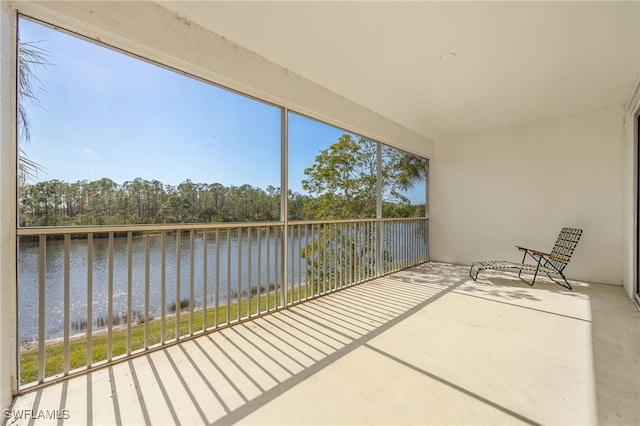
{"type": "Point", "coordinates": [524, 117]}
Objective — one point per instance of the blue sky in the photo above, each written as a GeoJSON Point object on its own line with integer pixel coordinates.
{"type": "Point", "coordinates": [106, 114]}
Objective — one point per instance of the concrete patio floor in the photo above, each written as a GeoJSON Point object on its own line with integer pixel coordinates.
{"type": "Point", "coordinates": [424, 346]}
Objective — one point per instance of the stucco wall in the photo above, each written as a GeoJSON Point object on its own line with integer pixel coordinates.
{"type": "Point", "coordinates": [630, 192]}
{"type": "Point", "coordinates": [520, 186]}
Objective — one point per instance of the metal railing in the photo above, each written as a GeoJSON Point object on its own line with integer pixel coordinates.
{"type": "Point", "coordinates": [89, 296]}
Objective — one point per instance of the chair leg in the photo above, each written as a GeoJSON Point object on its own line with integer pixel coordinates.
{"type": "Point", "coordinates": [471, 270]}
{"type": "Point", "coordinates": [534, 277]}
{"type": "Point", "coordinates": [561, 284]}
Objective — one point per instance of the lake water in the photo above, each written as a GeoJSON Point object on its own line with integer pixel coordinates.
{"type": "Point", "coordinates": [261, 272]}
{"type": "Point", "coordinates": [229, 261]}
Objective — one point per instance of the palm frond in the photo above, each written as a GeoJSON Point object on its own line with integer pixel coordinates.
{"type": "Point", "coordinates": [30, 56]}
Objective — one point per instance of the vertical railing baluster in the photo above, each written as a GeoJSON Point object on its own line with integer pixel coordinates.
{"type": "Point", "coordinates": [290, 274]}
{"type": "Point", "coordinates": [325, 229]}
{"type": "Point", "coordinates": [147, 286]}
{"type": "Point", "coordinates": [110, 301]}
{"type": "Point", "coordinates": [299, 263]}
{"type": "Point", "coordinates": [304, 285]}
{"type": "Point", "coordinates": [407, 241]}
{"type": "Point", "coordinates": [249, 262]}
{"type": "Point", "coordinates": [332, 257]}
{"type": "Point", "coordinates": [322, 254]}
{"type": "Point", "coordinates": [418, 233]}
{"type": "Point", "coordinates": [406, 232]}
{"type": "Point", "coordinates": [315, 280]}
{"type": "Point", "coordinates": [367, 244]}
{"type": "Point", "coordinates": [375, 227]}
{"type": "Point", "coordinates": [407, 247]}
{"type": "Point", "coordinates": [414, 238]}
{"type": "Point", "coordinates": [383, 247]}
{"type": "Point", "coordinates": [217, 289]}
{"type": "Point", "coordinates": [276, 251]}
{"type": "Point", "coordinates": [374, 251]}
{"type": "Point", "coordinates": [347, 253]}
{"type": "Point", "coordinates": [163, 286]}
{"type": "Point", "coordinates": [42, 268]}
{"type": "Point", "coordinates": [129, 288]}
{"type": "Point", "coordinates": [192, 268]}
{"type": "Point", "coordinates": [335, 259]}
{"type": "Point", "coordinates": [357, 253]}
{"type": "Point", "coordinates": [421, 239]}
{"type": "Point", "coordinates": [66, 312]}
{"type": "Point", "coordinates": [281, 266]}
{"type": "Point", "coordinates": [352, 251]}
{"type": "Point", "coordinates": [408, 238]}
{"type": "Point", "coordinates": [401, 247]}
{"type": "Point", "coordinates": [340, 259]}
{"type": "Point", "coordinates": [370, 253]}
{"type": "Point", "coordinates": [342, 255]}
{"type": "Point", "coordinates": [89, 299]}
{"type": "Point", "coordinates": [396, 247]}
{"type": "Point", "coordinates": [358, 249]}
{"type": "Point", "coordinates": [228, 313]}
{"type": "Point", "coordinates": [178, 277]}
{"type": "Point", "coordinates": [307, 275]}
{"type": "Point", "coordinates": [425, 238]}
{"type": "Point", "coordinates": [328, 250]}
{"type": "Point", "coordinates": [411, 226]}
{"type": "Point", "coordinates": [239, 263]}
{"type": "Point", "coordinates": [392, 246]}
{"type": "Point", "coordinates": [371, 256]}
{"type": "Point", "coordinates": [366, 238]}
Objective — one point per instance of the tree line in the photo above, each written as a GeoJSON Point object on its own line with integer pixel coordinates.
{"type": "Point", "coordinates": [341, 184]}
{"type": "Point", "coordinates": [141, 201]}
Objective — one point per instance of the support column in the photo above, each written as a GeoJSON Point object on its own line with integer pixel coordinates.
{"type": "Point", "coordinates": [379, 245]}
{"type": "Point", "coordinates": [8, 300]}
{"type": "Point", "coordinates": [284, 203]}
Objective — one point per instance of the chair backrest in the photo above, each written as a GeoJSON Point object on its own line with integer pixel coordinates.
{"type": "Point", "coordinates": [564, 247]}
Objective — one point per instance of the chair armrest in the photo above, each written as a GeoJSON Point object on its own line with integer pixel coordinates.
{"type": "Point", "coordinates": [534, 251]}
{"type": "Point", "coordinates": [541, 253]}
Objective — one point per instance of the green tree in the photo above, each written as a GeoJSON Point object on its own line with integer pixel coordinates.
{"type": "Point", "coordinates": [342, 181]}
{"type": "Point", "coordinates": [343, 185]}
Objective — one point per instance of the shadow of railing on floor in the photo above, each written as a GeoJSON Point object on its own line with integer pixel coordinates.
{"type": "Point", "coordinates": [225, 376]}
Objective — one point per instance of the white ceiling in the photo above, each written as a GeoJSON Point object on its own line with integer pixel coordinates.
{"type": "Point", "coordinates": [516, 62]}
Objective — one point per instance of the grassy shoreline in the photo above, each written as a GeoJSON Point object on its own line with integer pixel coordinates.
{"type": "Point", "coordinates": [54, 349]}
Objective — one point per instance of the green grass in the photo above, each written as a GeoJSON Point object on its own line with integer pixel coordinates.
{"type": "Point", "coordinates": [54, 350]}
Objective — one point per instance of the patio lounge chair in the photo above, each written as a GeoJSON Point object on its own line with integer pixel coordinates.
{"type": "Point", "coordinates": [549, 263]}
